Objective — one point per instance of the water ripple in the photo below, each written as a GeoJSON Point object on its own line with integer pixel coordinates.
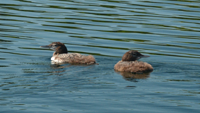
{"type": "Point", "coordinates": [166, 30]}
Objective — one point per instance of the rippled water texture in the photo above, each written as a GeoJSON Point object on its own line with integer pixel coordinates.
{"type": "Point", "coordinates": [166, 30]}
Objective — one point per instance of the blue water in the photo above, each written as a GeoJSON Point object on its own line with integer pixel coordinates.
{"type": "Point", "coordinates": [168, 31]}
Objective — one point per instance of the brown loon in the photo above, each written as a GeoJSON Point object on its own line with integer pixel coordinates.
{"type": "Point", "coordinates": [61, 55]}
{"type": "Point", "coordinates": [129, 63]}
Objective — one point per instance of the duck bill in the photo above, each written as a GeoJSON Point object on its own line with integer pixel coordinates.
{"type": "Point", "coordinates": [144, 56]}
{"type": "Point", "coordinates": [46, 46]}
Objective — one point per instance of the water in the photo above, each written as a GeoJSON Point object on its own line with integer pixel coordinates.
{"type": "Point", "coordinates": [168, 31]}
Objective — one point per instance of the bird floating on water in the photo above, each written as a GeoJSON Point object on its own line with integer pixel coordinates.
{"type": "Point", "coordinates": [61, 55]}
{"type": "Point", "coordinates": [129, 63]}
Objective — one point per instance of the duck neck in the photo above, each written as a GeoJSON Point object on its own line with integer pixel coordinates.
{"type": "Point", "coordinates": [60, 50]}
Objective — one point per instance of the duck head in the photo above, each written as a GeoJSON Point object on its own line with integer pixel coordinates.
{"type": "Point", "coordinates": [132, 55]}
{"type": "Point", "coordinates": [58, 47]}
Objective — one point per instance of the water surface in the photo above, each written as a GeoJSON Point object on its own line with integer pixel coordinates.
{"type": "Point", "coordinates": [168, 31]}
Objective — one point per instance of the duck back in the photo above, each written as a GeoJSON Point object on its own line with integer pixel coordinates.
{"type": "Point", "coordinates": [73, 58]}
{"type": "Point", "coordinates": [133, 66]}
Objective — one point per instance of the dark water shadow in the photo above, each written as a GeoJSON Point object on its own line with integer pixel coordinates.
{"type": "Point", "coordinates": [133, 77]}
{"type": "Point", "coordinates": [61, 68]}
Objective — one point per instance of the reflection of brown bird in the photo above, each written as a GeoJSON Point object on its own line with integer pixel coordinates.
{"type": "Point", "coordinates": [129, 63]}
{"type": "Point", "coordinates": [130, 75]}
{"type": "Point", "coordinates": [61, 55]}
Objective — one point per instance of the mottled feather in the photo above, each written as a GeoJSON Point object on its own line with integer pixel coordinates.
{"type": "Point", "coordinates": [61, 55]}
{"type": "Point", "coordinates": [73, 58]}
{"type": "Point", "coordinates": [133, 66]}
{"type": "Point", "coordinates": [129, 63]}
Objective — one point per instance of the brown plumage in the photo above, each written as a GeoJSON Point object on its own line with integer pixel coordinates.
{"type": "Point", "coordinates": [129, 63]}
{"type": "Point", "coordinates": [73, 58]}
{"type": "Point", "coordinates": [61, 55]}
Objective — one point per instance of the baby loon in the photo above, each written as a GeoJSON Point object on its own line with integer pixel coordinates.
{"type": "Point", "coordinates": [129, 63]}
{"type": "Point", "coordinates": [61, 55]}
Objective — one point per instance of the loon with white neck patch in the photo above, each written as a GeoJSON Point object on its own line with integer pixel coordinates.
{"type": "Point", "coordinates": [61, 55]}
{"type": "Point", "coordinates": [129, 63]}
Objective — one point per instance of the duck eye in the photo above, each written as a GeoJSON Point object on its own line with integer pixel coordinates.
{"type": "Point", "coordinates": [54, 44]}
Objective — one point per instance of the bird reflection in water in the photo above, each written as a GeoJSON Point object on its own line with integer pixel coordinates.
{"type": "Point", "coordinates": [133, 76]}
